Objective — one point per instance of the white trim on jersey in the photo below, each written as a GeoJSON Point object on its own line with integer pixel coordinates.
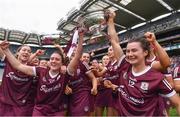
{"type": "Point", "coordinates": [113, 62]}
{"type": "Point", "coordinates": [142, 72]}
{"type": "Point", "coordinates": [167, 84]}
{"type": "Point", "coordinates": [169, 95]}
{"type": "Point", "coordinates": [34, 71]}
{"type": "Point", "coordinates": [176, 78]}
{"type": "Point", "coordinates": [168, 75]}
{"type": "Point", "coordinates": [120, 60]}
{"type": "Point", "coordinates": [52, 76]}
{"type": "Point", "coordinates": [151, 60]}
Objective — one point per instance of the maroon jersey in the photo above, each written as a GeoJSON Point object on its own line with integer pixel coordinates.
{"type": "Point", "coordinates": [17, 88]}
{"type": "Point", "coordinates": [104, 97]}
{"type": "Point", "coordinates": [139, 92]}
{"type": "Point", "coordinates": [80, 80]}
{"type": "Point", "coordinates": [50, 91]}
{"type": "Point", "coordinates": [111, 73]}
{"type": "Point", "coordinates": [81, 102]}
{"type": "Point", "coordinates": [176, 73]}
{"type": "Point", "coordinates": [150, 61]}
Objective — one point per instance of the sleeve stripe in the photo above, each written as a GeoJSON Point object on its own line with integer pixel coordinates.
{"type": "Point", "coordinates": [169, 95]}
{"type": "Point", "coordinates": [167, 84]}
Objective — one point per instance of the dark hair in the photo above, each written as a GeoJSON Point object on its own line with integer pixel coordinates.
{"type": "Point", "coordinates": [58, 52]}
{"type": "Point", "coordinates": [19, 48]}
{"type": "Point", "coordinates": [144, 44]}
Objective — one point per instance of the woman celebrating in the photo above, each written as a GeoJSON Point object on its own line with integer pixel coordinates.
{"type": "Point", "coordinates": [17, 91]}
{"type": "Point", "coordinates": [139, 85]}
{"type": "Point", "coordinates": [51, 82]}
{"type": "Point", "coordinates": [83, 86]}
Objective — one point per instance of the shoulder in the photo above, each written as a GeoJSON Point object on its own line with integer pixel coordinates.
{"type": "Point", "coordinates": [40, 70]}
{"type": "Point", "coordinates": [84, 64]}
{"type": "Point", "coordinates": [123, 63]}
{"type": "Point", "coordinates": [153, 73]}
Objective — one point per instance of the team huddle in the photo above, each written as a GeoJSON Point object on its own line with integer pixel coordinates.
{"type": "Point", "coordinates": [125, 84]}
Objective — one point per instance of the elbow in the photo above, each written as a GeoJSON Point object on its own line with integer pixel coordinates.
{"type": "Point", "coordinates": [177, 88]}
{"type": "Point", "coordinates": [166, 65]}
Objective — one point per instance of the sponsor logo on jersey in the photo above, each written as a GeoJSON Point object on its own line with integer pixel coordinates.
{"type": "Point", "coordinates": [12, 76]}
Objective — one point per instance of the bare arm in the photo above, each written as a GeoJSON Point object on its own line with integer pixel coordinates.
{"type": "Point", "coordinates": [175, 99]}
{"type": "Point", "coordinates": [118, 52]}
{"type": "Point", "coordinates": [1, 53]}
{"type": "Point", "coordinates": [94, 82]}
{"type": "Point", "coordinates": [164, 60]}
{"type": "Point", "coordinates": [98, 73]}
{"type": "Point", "coordinates": [108, 84]}
{"type": "Point", "coordinates": [14, 62]}
{"type": "Point", "coordinates": [37, 53]}
{"type": "Point", "coordinates": [177, 85]}
{"type": "Point", "coordinates": [74, 62]}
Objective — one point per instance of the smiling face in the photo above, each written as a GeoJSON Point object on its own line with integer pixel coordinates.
{"type": "Point", "coordinates": [135, 54]}
{"type": "Point", "coordinates": [35, 61]}
{"type": "Point", "coordinates": [43, 63]}
{"type": "Point", "coordinates": [95, 63]}
{"type": "Point", "coordinates": [85, 57]}
{"type": "Point", "coordinates": [55, 62]}
{"type": "Point", "coordinates": [110, 52]}
{"type": "Point", "coordinates": [105, 60]}
{"type": "Point", "coordinates": [24, 53]}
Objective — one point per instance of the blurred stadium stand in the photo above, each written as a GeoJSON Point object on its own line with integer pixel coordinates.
{"type": "Point", "coordinates": [134, 18]}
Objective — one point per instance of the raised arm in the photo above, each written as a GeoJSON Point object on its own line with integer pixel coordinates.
{"type": "Point", "coordinates": [164, 60]}
{"type": "Point", "coordinates": [39, 52]}
{"type": "Point", "coordinates": [14, 62]}
{"type": "Point", "coordinates": [60, 49]}
{"type": "Point", "coordinates": [1, 53]}
{"type": "Point", "coordinates": [74, 62]}
{"type": "Point", "coordinates": [118, 52]}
